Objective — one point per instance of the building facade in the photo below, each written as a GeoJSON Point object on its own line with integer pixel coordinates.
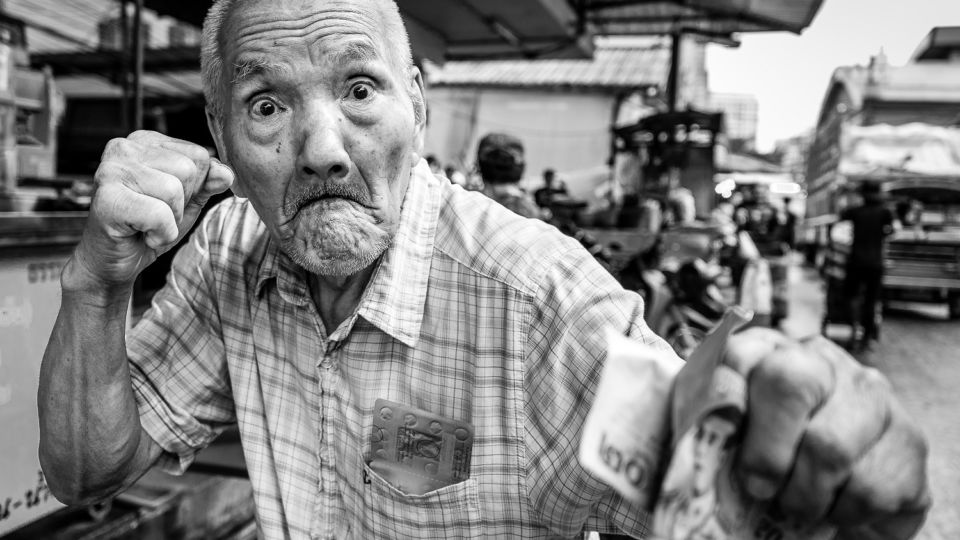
{"type": "Point", "coordinates": [562, 110]}
{"type": "Point", "coordinates": [740, 117]}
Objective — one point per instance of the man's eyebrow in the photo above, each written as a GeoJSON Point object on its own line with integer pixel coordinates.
{"type": "Point", "coordinates": [248, 68]}
{"type": "Point", "coordinates": [355, 52]}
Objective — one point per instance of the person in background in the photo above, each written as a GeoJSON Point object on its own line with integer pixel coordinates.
{"type": "Point", "coordinates": [501, 161]}
{"type": "Point", "coordinates": [455, 176]}
{"type": "Point", "coordinates": [545, 195]}
{"type": "Point", "coordinates": [434, 164]}
{"type": "Point", "coordinates": [788, 228]}
{"type": "Point", "coordinates": [872, 224]}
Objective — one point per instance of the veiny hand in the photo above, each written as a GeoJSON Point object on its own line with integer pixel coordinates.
{"type": "Point", "coordinates": [150, 190]}
{"type": "Point", "coordinates": [826, 438]}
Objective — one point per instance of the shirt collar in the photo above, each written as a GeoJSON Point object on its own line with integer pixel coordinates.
{"type": "Point", "coordinates": [394, 299]}
{"type": "Point", "coordinates": [291, 279]}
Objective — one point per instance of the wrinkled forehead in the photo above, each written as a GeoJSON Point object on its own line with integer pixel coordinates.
{"type": "Point", "coordinates": [317, 26]}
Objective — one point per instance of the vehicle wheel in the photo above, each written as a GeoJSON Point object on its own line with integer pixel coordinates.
{"type": "Point", "coordinates": [954, 304]}
{"type": "Point", "coordinates": [684, 339]}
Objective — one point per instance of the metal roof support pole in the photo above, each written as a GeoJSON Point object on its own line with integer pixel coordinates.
{"type": "Point", "coordinates": [124, 67]}
{"type": "Point", "coordinates": [137, 65]}
{"type": "Point", "coordinates": [674, 74]}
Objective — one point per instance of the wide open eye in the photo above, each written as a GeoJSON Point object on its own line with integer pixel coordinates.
{"type": "Point", "coordinates": [361, 91]}
{"type": "Point", "coordinates": [264, 107]}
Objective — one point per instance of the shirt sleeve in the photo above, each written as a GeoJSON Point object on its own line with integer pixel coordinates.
{"type": "Point", "coordinates": [177, 362]}
{"type": "Point", "coordinates": [576, 302]}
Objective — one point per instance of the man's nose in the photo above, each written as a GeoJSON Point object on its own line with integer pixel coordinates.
{"type": "Point", "coordinates": [322, 153]}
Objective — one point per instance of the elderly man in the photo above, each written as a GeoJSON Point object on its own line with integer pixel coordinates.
{"type": "Point", "coordinates": [344, 273]}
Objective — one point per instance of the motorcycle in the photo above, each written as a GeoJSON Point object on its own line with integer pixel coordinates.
{"type": "Point", "coordinates": [681, 305]}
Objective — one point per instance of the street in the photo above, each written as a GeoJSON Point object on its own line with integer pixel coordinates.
{"type": "Point", "coordinates": [919, 353]}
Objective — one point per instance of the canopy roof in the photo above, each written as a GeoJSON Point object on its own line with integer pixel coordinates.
{"type": "Point", "coordinates": [462, 29]}
{"type": "Point", "coordinates": [733, 162]}
{"type": "Point", "coordinates": [615, 67]}
{"type": "Point", "coordinates": [716, 18]}
{"type": "Point", "coordinates": [474, 29]}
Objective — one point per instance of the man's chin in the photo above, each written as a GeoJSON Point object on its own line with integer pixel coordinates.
{"type": "Point", "coordinates": [336, 243]}
{"type": "Point", "coordinates": [346, 265]}
{"type": "Point", "coordinates": [338, 256]}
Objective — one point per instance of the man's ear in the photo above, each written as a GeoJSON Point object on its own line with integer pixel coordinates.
{"type": "Point", "coordinates": [216, 131]}
{"type": "Point", "coordinates": [417, 96]}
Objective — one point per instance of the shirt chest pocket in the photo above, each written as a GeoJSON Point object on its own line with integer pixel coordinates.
{"type": "Point", "coordinates": [449, 512]}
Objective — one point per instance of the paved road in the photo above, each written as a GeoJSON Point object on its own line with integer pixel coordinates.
{"type": "Point", "coordinates": [920, 353]}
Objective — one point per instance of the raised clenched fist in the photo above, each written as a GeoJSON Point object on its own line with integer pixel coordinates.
{"type": "Point", "coordinates": [150, 189]}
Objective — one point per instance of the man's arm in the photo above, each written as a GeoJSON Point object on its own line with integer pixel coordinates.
{"type": "Point", "coordinates": [150, 190]}
{"type": "Point", "coordinates": [91, 443]}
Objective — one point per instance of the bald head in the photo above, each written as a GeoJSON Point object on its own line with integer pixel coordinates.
{"type": "Point", "coordinates": [215, 76]}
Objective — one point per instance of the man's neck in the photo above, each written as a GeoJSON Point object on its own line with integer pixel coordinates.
{"type": "Point", "coordinates": [337, 297]}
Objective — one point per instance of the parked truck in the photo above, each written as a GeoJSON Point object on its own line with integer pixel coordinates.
{"type": "Point", "coordinates": [918, 168]}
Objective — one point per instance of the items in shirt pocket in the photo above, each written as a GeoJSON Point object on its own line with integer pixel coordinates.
{"type": "Point", "coordinates": [417, 451]}
{"type": "Point", "coordinates": [453, 511]}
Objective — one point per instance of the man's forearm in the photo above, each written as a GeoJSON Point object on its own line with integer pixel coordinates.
{"type": "Point", "coordinates": [90, 434]}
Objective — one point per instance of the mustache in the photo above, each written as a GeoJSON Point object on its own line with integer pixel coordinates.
{"type": "Point", "coordinates": [315, 193]}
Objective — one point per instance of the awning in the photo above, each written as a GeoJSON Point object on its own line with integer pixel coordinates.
{"type": "Point", "coordinates": [715, 18]}
{"type": "Point", "coordinates": [733, 162]}
{"type": "Point", "coordinates": [463, 29]}
{"type": "Point", "coordinates": [484, 29]}
{"type": "Point", "coordinates": [489, 29]}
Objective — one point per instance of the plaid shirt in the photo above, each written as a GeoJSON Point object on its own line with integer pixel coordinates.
{"type": "Point", "coordinates": [473, 314]}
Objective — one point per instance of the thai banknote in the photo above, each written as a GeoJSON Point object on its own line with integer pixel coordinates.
{"type": "Point", "coordinates": [687, 456]}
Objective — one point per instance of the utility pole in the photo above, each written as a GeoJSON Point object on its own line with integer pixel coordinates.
{"type": "Point", "coordinates": [674, 74]}
{"type": "Point", "coordinates": [124, 67]}
{"type": "Point", "coordinates": [138, 65]}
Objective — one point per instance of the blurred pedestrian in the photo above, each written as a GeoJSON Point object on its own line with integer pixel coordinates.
{"type": "Point", "coordinates": [788, 227]}
{"type": "Point", "coordinates": [872, 223]}
{"type": "Point", "coordinates": [434, 164]}
{"type": "Point", "coordinates": [455, 176]}
{"type": "Point", "coordinates": [501, 161]}
{"type": "Point", "coordinates": [551, 187]}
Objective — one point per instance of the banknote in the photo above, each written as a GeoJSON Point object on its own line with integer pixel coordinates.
{"type": "Point", "coordinates": [626, 434]}
{"type": "Point", "coordinates": [696, 495]}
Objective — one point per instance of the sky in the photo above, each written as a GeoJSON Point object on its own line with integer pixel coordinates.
{"type": "Point", "coordinates": [789, 73]}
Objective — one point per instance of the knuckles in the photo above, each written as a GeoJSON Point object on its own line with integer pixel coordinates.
{"type": "Point", "coordinates": [871, 380]}
{"type": "Point", "coordinates": [112, 172]}
{"type": "Point", "coordinates": [124, 159]}
{"type": "Point", "coordinates": [788, 374]}
{"type": "Point", "coordinates": [120, 148]}
{"type": "Point", "coordinates": [829, 452]}
{"type": "Point", "coordinates": [181, 166]}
